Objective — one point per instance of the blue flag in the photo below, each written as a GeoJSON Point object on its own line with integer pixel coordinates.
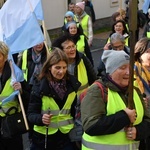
{"type": "Point", "coordinates": [10, 98]}
{"type": "Point", "coordinates": [19, 25]}
{"type": "Point", "coordinates": [16, 72]}
{"type": "Point", "coordinates": [37, 8]}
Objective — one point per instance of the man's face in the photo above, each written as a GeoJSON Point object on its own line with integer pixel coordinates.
{"type": "Point", "coordinates": [71, 7]}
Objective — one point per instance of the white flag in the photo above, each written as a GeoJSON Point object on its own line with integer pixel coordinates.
{"type": "Point", "coordinates": [20, 26]}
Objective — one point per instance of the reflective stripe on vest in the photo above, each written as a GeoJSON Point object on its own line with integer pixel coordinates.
{"type": "Point", "coordinates": [118, 140]}
{"type": "Point", "coordinates": [96, 146]}
{"type": "Point", "coordinates": [61, 119]}
{"type": "Point", "coordinates": [7, 91]}
{"type": "Point", "coordinates": [24, 65]}
{"type": "Point", "coordinates": [84, 24]}
{"type": "Point", "coordinates": [82, 77]}
{"type": "Point", "coordinates": [81, 44]}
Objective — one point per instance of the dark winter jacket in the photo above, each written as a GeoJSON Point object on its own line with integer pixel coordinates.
{"type": "Point", "coordinates": [89, 9]}
{"type": "Point", "coordinates": [42, 88]}
{"type": "Point", "coordinates": [30, 63]}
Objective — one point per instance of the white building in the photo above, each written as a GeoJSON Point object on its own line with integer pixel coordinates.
{"type": "Point", "coordinates": [54, 10]}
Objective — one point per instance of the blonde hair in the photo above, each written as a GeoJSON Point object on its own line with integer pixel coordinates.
{"type": "Point", "coordinates": [4, 49]}
{"type": "Point", "coordinates": [140, 47]}
{"type": "Point", "coordinates": [121, 11]}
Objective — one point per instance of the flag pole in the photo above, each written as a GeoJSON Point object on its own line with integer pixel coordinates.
{"type": "Point", "coordinates": [120, 4]}
{"type": "Point", "coordinates": [133, 30]}
{"type": "Point", "coordinates": [45, 32]}
{"type": "Point", "coordinates": [20, 100]}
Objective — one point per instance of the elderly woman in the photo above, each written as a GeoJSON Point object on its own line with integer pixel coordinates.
{"type": "Point", "coordinates": [108, 119]}
{"type": "Point", "coordinates": [6, 89]}
{"type": "Point", "coordinates": [117, 42]}
{"type": "Point", "coordinates": [52, 104]}
{"type": "Point", "coordinates": [142, 71]}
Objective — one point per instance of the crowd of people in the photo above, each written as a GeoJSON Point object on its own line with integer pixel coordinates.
{"type": "Point", "coordinates": [55, 78]}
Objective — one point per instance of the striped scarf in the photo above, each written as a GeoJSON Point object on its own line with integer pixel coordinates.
{"type": "Point", "coordinates": [142, 76]}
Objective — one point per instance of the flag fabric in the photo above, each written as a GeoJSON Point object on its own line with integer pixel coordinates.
{"type": "Point", "coordinates": [1, 33]}
{"type": "Point", "coordinates": [146, 6]}
{"type": "Point", "coordinates": [10, 98]}
{"type": "Point", "coordinates": [16, 73]}
{"type": "Point", "coordinates": [20, 27]}
{"type": "Point", "coordinates": [37, 8]}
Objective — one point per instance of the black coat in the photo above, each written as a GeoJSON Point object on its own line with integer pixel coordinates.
{"type": "Point", "coordinates": [40, 89]}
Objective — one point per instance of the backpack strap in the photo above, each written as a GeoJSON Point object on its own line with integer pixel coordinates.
{"type": "Point", "coordinates": [102, 90]}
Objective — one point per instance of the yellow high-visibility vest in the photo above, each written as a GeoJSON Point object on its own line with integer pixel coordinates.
{"type": "Point", "coordinates": [118, 140]}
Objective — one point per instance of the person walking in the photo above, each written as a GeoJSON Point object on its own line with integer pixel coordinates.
{"type": "Point", "coordinates": [142, 76]}
{"type": "Point", "coordinates": [76, 33]}
{"type": "Point", "coordinates": [120, 27]}
{"type": "Point", "coordinates": [78, 64]}
{"type": "Point", "coordinates": [89, 9]}
{"type": "Point", "coordinates": [85, 21]}
{"type": "Point", "coordinates": [69, 17]}
{"type": "Point", "coordinates": [52, 105]}
{"type": "Point", "coordinates": [109, 122]}
{"type": "Point", "coordinates": [31, 62]}
{"type": "Point", "coordinates": [7, 87]}
{"type": "Point", "coordinates": [117, 42]}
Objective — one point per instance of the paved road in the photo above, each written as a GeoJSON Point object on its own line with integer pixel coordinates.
{"type": "Point", "coordinates": [97, 49]}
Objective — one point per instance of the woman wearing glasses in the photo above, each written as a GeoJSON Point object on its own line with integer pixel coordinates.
{"type": "Point", "coordinates": [79, 65]}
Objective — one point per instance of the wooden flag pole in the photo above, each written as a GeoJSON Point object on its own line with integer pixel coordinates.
{"type": "Point", "coordinates": [45, 32]}
{"type": "Point", "coordinates": [133, 30]}
{"type": "Point", "coordinates": [19, 97]}
{"type": "Point", "coordinates": [120, 4]}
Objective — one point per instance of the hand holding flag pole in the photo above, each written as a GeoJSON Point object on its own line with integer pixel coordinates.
{"type": "Point", "coordinates": [19, 96]}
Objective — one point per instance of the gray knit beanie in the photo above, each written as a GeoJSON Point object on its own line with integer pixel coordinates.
{"type": "Point", "coordinates": [114, 59]}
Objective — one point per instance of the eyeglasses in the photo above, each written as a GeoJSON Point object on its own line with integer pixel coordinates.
{"type": "Point", "coordinates": [70, 47]}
